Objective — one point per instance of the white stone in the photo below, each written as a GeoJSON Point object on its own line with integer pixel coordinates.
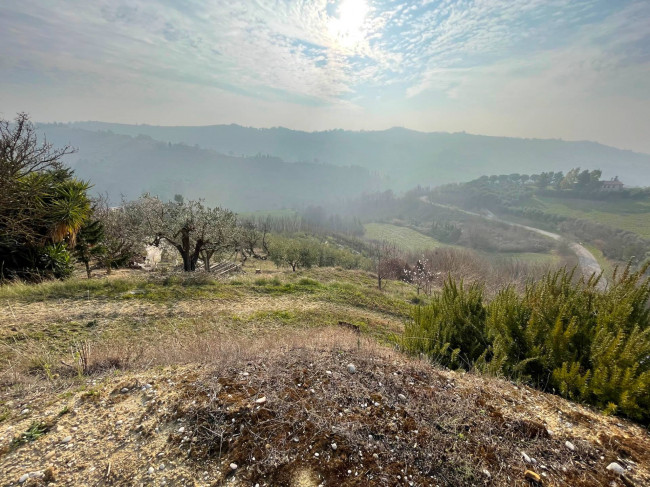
{"type": "Point", "coordinates": [570, 445]}
{"type": "Point", "coordinates": [24, 411]}
{"type": "Point", "coordinates": [234, 466]}
{"type": "Point", "coordinates": [124, 390]}
{"type": "Point", "coordinates": [181, 429]}
{"type": "Point", "coordinates": [616, 468]}
{"type": "Point", "coordinates": [401, 397]}
{"type": "Point", "coordinates": [150, 471]}
{"type": "Point", "coordinates": [23, 479]}
{"type": "Point", "coordinates": [334, 446]}
{"type": "Point", "coordinates": [526, 457]}
{"type": "Point", "coordinates": [67, 439]}
{"type": "Point", "coordinates": [261, 400]}
{"type": "Point", "coordinates": [351, 368]}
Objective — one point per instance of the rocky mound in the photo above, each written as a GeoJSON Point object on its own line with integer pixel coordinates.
{"type": "Point", "coordinates": [332, 412]}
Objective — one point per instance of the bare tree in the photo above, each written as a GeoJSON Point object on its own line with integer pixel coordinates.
{"type": "Point", "coordinates": [265, 227]}
{"type": "Point", "coordinates": [23, 161]}
{"type": "Point", "coordinates": [21, 153]}
{"type": "Point", "coordinates": [383, 256]}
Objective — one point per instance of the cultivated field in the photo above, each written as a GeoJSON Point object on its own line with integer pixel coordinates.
{"type": "Point", "coordinates": [405, 238]}
{"type": "Point", "coordinates": [633, 216]}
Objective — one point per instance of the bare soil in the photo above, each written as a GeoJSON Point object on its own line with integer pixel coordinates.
{"type": "Point", "coordinates": [286, 410]}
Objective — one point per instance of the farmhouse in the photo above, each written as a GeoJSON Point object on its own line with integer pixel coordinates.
{"type": "Point", "coordinates": [612, 185]}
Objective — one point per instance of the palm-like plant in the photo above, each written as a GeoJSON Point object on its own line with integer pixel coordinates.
{"type": "Point", "coordinates": [69, 210]}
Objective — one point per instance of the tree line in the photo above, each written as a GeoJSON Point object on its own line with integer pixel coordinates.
{"type": "Point", "coordinates": [48, 220]}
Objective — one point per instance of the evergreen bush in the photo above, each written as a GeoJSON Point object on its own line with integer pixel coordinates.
{"type": "Point", "coordinates": [562, 334]}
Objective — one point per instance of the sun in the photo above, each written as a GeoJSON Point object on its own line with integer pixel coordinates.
{"type": "Point", "coordinates": [352, 14]}
{"type": "Point", "coordinates": [348, 28]}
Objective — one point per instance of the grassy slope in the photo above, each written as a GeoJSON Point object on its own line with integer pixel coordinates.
{"type": "Point", "coordinates": [46, 320]}
{"type": "Point", "coordinates": [633, 216]}
{"type": "Point", "coordinates": [193, 338]}
{"type": "Point", "coordinates": [211, 350]}
{"type": "Point", "coordinates": [405, 238]}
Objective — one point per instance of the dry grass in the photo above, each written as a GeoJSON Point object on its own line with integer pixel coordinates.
{"type": "Point", "coordinates": [446, 428]}
{"type": "Point", "coordinates": [471, 266]}
{"type": "Point", "coordinates": [45, 324]}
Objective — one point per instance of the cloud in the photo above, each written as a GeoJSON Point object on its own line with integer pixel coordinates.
{"type": "Point", "coordinates": [338, 55]}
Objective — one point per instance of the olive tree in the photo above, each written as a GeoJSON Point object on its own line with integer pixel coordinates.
{"type": "Point", "coordinates": [189, 226]}
{"type": "Point", "coordinates": [123, 234]}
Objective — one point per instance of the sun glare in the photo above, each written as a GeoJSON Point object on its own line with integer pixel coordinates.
{"type": "Point", "coordinates": [348, 28]}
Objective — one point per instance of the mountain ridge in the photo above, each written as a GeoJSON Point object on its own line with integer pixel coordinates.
{"type": "Point", "coordinates": [108, 126]}
{"type": "Point", "coordinates": [119, 164]}
{"type": "Point", "coordinates": [405, 156]}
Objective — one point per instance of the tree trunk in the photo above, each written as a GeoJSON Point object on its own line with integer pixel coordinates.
{"type": "Point", "coordinates": [187, 261]}
{"type": "Point", "coordinates": [87, 264]}
{"type": "Point", "coordinates": [206, 255]}
{"type": "Point", "coordinates": [197, 253]}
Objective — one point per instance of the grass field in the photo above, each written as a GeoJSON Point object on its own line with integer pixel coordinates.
{"type": "Point", "coordinates": [633, 216]}
{"type": "Point", "coordinates": [42, 323]}
{"type": "Point", "coordinates": [405, 238]}
{"type": "Point", "coordinates": [414, 241]}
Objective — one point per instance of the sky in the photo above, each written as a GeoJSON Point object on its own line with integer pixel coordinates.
{"type": "Point", "coordinates": [569, 69]}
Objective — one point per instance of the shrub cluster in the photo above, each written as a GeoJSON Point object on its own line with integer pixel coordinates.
{"type": "Point", "coordinates": [303, 251]}
{"type": "Point", "coordinates": [560, 334]}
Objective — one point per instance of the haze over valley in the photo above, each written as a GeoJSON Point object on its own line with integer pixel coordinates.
{"type": "Point", "coordinates": [230, 164]}
{"type": "Point", "coordinates": [313, 243]}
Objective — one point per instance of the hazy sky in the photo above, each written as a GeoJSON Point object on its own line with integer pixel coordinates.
{"type": "Point", "coordinates": [572, 69]}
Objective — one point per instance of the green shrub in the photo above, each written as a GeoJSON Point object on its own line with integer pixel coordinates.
{"type": "Point", "coordinates": [561, 334]}
{"type": "Point", "coordinates": [452, 327]}
{"type": "Point", "coordinates": [56, 261]}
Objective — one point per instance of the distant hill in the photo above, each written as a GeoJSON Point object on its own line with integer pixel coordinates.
{"type": "Point", "coordinates": [125, 165]}
{"type": "Point", "coordinates": [405, 157]}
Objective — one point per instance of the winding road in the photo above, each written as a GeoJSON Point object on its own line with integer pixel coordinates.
{"type": "Point", "coordinates": [586, 260]}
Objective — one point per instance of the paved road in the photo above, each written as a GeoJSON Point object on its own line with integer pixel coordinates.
{"type": "Point", "coordinates": [586, 260]}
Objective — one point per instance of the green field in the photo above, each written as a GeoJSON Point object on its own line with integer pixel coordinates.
{"type": "Point", "coordinates": [405, 238]}
{"type": "Point", "coordinates": [413, 241]}
{"type": "Point", "coordinates": [633, 216]}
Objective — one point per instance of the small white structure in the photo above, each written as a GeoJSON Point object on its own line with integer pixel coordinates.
{"type": "Point", "coordinates": [612, 185]}
{"type": "Point", "coordinates": [154, 255]}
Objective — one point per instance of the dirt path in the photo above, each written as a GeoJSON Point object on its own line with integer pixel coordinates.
{"type": "Point", "coordinates": [586, 260]}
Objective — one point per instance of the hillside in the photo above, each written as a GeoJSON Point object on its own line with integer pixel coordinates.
{"type": "Point", "coordinates": [124, 165]}
{"type": "Point", "coordinates": [183, 380]}
{"type": "Point", "coordinates": [406, 157]}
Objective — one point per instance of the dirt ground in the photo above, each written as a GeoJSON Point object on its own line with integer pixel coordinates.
{"type": "Point", "coordinates": [291, 410]}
